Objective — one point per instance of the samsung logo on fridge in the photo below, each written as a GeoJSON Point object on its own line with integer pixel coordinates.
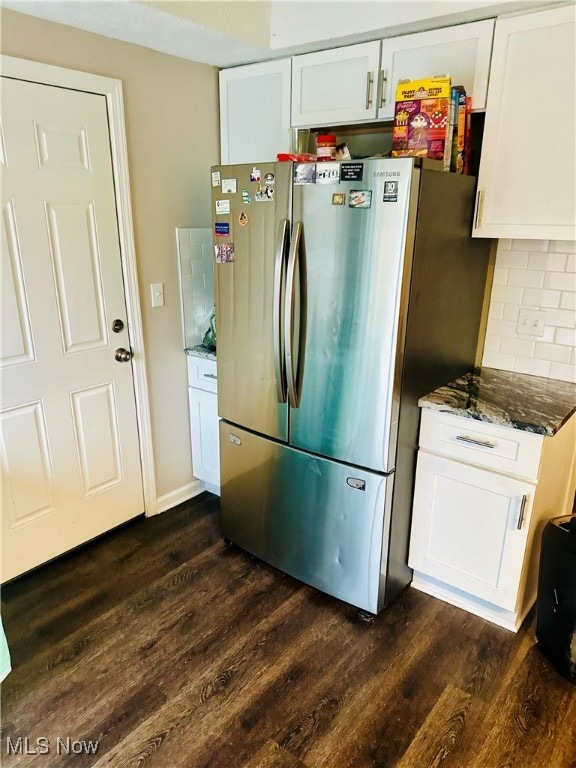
{"type": "Point", "coordinates": [386, 173]}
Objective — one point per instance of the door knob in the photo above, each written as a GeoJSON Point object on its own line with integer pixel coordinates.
{"type": "Point", "coordinates": [123, 355]}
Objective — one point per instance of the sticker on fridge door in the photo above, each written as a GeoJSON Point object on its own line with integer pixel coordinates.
{"type": "Point", "coordinates": [224, 253]}
{"type": "Point", "coordinates": [269, 179]}
{"type": "Point", "coordinates": [264, 195]}
{"type": "Point", "coordinates": [222, 206]}
{"type": "Point", "coordinates": [228, 186]}
{"type": "Point", "coordinates": [360, 198]}
{"type": "Point", "coordinates": [216, 179]}
{"type": "Point", "coordinates": [222, 229]}
{"type": "Point", "coordinates": [390, 192]}
{"type": "Point", "coordinates": [243, 219]}
{"type": "Point", "coordinates": [255, 174]}
{"type": "Point", "coordinates": [305, 173]}
{"type": "Point", "coordinates": [351, 171]}
{"type": "Point", "coordinates": [339, 198]}
{"type": "Point", "coordinates": [246, 199]}
{"type": "Point", "coordinates": [327, 173]}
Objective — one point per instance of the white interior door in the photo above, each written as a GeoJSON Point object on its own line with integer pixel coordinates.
{"type": "Point", "coordinates": [69, 447]}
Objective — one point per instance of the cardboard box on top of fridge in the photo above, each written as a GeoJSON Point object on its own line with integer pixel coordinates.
{"type": "Point", "coordinates": [422, 119]}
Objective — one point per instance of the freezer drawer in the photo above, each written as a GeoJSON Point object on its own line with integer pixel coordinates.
{"type": "Point", "coordinates": [323, 522]}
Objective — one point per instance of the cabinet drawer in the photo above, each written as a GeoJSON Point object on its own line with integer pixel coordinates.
{"type": "Point", "coordinates": [504, 449]}
{"type": "Point", "coordinates": [202, 373]}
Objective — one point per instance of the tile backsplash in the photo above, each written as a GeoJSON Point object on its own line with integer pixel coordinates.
{"type": "Point", "coordinates": [532, 316]}
{"type": "Point", "coordinates": [195, 253]}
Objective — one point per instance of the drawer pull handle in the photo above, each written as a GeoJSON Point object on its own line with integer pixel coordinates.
{"type": "Point", "coordinates": [482, 443]}
{"type": "Point", "coordinates": [210, 376]}
{"type": "Point", "coordinates": [522, 510]}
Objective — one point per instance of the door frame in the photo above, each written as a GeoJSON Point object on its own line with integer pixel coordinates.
{"type": "Point", "coordinates": [111, 89]}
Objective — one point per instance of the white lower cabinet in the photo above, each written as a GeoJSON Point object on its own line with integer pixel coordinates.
{"type": "Point", "coordinates": [473, 532]}
{"type": "Point", "coordinates": [203, 402]}
{"type": "Point", "coordinates": [475, 538]}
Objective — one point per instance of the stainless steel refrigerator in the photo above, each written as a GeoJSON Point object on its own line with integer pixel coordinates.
{"type": "Point", "coordinates": [344, 291]}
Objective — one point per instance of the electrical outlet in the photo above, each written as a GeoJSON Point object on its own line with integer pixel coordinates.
{"type": "Point", "coordinates": [531, 322]}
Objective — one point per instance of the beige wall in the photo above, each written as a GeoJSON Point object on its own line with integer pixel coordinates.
{"type": "Point", "coordinates": [171, 108]}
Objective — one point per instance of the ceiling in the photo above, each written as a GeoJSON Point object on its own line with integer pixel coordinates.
{"type": "Point", "coordinates": [226, 33]}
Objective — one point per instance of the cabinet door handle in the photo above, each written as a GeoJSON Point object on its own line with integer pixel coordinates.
{"type": "Point", "coordinates": [369, 81]}
{"type": "Point", "coordinates": [383, 82]}
{"type": "Point", "coordinates": [479, 209]}
{"type": "Point", "coordinates": [482, 443]}
{"type": "Point", "coordinates": [522, 511]}
{"type": "Point", "coordinates": [210, 376]}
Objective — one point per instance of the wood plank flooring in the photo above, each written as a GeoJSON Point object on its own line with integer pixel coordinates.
{"type": "Point", "coordinates": [172, 650]}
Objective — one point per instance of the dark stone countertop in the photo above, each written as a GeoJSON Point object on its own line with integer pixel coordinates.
{"type": "Point", "coordinates": [200, 351]}
{"type": "Point", "coordinates": [516, 400]}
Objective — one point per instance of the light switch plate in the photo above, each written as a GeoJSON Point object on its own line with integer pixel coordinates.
{"type": "Point", "coordinates": [157, 293]}
{"type": "Point", "coordinates": [531, 322]}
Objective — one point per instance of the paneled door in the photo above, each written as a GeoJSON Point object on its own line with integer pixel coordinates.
{"type": "Point", "coordinates": [69, 448]}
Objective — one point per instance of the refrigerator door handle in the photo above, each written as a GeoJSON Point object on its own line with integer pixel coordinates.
{"type": "Point", "coordinates": [279, 277]}
{"type": "Point", "coordinates": [293, 257]}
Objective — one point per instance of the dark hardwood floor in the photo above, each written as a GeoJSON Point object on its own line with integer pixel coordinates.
{"type": "Point", "coordinates": [173, 650]}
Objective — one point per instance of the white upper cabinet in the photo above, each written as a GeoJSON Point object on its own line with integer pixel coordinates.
{"type": "Point", "coordinates": [463, 52]}
{"type": "Point", "coordinates": [526, 183]}
{"type": "Point", "coordinates": [336, 86]}
{"type": "Point", "coordinates": [255, 112]}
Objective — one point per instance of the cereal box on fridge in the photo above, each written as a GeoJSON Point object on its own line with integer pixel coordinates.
{"type": "Point", "coordinates": [422, 119]}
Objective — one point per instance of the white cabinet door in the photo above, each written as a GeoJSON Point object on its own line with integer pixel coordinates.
{"type": "Point", "coordinates": [469, 528]}
{"type": "Point", "coordinates": [462, 51]}
{"type": "Point", "coordinates": [336, 86]}
{"type": "Point", "coordinates": [255, 112]}
{"type": "Point", "coordinates": [526, 184]}
{"type": "Point", "coordinates": [204, 433]}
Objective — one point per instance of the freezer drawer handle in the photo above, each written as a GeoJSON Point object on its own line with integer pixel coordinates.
{"type": "Point", "coordinates": [356, 483]}
{"type": "Point", "coordinates": [481, 443]}
{"type": "Point", "coordinates": [234, 439]}
{"type": "Point", "coordinates": [210, 376]}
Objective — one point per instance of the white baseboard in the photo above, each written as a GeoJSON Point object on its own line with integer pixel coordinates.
{"type": "Point", "coordinates": [172, 499]}
{"type": "Point", "coordinates": [507, 619]}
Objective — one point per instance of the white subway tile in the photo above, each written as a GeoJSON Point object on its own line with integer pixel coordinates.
{"type": "Point", "coordinates": [563, 318]}
{"type": "Point", "coordinates": [530, 245]}
{"type": "Point", "coordinates": [506, 295]}
{"type": "Point", "coordinates": [562, 246]}
{"type": "Point", "coordinates": [492, 344]}
{"type": "Point", "coordinates": [565, 336]}
{"type": "Point", "coordinates": [185, 267]}
{"type": "Point", "coordinates": [510, 312]}
{"type": "Point", "coordinates": [497, 360]}
{"type": "Point", "coordinates": [504, 244]}
{"type": "Point", "coordinates": [517, 347]}
{"type": "Point", "coordinates": [553, 262]}
{"type": "Point", "coordinates": [563, 372]}
{"type": "Point", "coordinates": [500, 276]}
{"type": "Point", "coordinates": [568, 300]}
{"type": "Point", "coordinates": [531, 366]}
{"type": "Point", "coordinates": [514, 259]}
{"type": "Point", "coordinates": [552, 352]}
{"type": "Point", "coordinates": [548, 335]}
{"type": "Point", "coordinates": [496, 309]}
{"type": "Point", "coordinates": [559, 281]}
{"type": "Point", "coordinates": [525, 278]}
{"type": "Point", "coordinates": [501, 328]}
{"type": "Point", "coordinates": [533, 297]}
{"type": "Point", "coordinates": [571, 262]}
